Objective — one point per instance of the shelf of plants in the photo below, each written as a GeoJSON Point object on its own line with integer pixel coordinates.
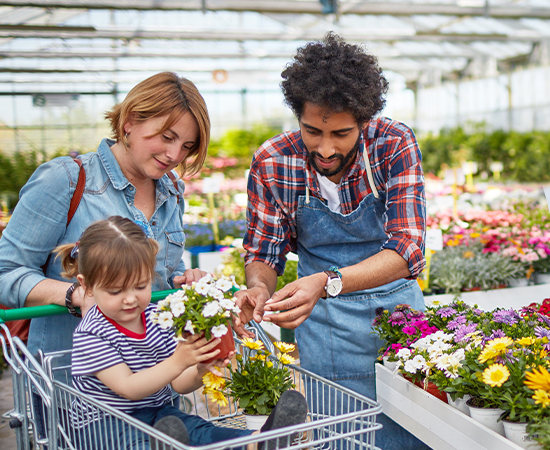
{"type": "Point", "coordinates": [434, 422]}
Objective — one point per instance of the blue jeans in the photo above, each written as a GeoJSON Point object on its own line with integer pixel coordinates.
{"type": "Point", "coordinates": [111, 433]}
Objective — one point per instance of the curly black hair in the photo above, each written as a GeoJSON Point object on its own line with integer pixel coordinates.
{"type": "Point", "coordinates": [335, 75]}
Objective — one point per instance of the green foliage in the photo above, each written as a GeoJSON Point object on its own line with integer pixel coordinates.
{"type": "Point", "coordinates": [258, 382]}
{"type": "Point", "coordinates": [242, 144]}
{"type": "Point", "coordinates": [525, 156]}
{"type": "Point", "coordinates": [15, 170]}
{"type": "Point", "coordinates": [539, 431]}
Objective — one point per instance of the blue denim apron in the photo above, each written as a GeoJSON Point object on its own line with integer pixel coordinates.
{"type": "Point", "coordinates": [335, 341]}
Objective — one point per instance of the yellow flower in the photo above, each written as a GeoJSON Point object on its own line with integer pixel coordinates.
{"type": "Point", "coordinates": [286, 359]}
{"type": "Point", "coordinates": [216, 396]}
{"type": "Point", "coordinates": [475, 235]}
{"type": "Point", "coordinates": [496, 375]}
{"type": "Point", "coordinates": [269, 364]}
{"type": "Point", "coordinates": [468, 255]}
{"type": "Point", "coordinates": [259, 358]}
{"type": "Point", "coordinates": [541, 398]}
{"type": "Point", "coordinates": [526, 341]}
{"type": "Point", "coordinates": [212, 381]}
{"type": "Point", "coordinates": [538, 379]}
{"type": "Point", "coordinates": [284, 347]}
{"type": "Point", "coordinates": [487, 354]}
{"type": "Point", "coordinates": [251, 343]}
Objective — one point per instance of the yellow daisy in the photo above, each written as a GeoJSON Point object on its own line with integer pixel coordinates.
{"type": "Point", "coordinates": [495, 375]}
{"type": "Point", "coordinates": [252, 344]}
{"type": "Point", "coordinates": [526, 341]}
{"type": "Point", "coordinates": [284, 347]}
{"type": "Point", "coordinates": [217, 397]}
{"type": "Point", "coordinates": [286, 359]}
{"type": "Point", "coordinates": [538, 379]}
{"type": "Point", "coordinates": [468, 255]}
{"type": "Point", "coordinates": [487, 354]}
{"type": "Point", "coordinates": [212, 381]}
{"type": "Point", "coordinates": [541, 398]}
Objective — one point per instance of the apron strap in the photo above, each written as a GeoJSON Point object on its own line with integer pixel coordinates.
{"type": "Point", "coordinates": [369, 173]}
{"type": "Point", "coordinates": [307, 195]}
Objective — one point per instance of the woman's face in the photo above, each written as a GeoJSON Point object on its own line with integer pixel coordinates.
{"type": "Point", "coordinates": [152, 155]}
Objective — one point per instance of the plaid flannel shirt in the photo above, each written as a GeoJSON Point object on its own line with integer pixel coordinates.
{"type": "Point", "coordinates": [280, 172]}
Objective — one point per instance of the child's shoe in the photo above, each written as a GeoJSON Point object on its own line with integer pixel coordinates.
{"type": "Point", "coordinates": [291, 409]}
{"type": "Point", "coordinates": [174, 427]}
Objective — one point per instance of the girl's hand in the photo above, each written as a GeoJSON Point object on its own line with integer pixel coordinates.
{"type": "Point", "coordinates": [215, 365]}
{"type": "Point", "coordinates": [195, 350]}
{"type": "Point", "coordinates": [188, 277]}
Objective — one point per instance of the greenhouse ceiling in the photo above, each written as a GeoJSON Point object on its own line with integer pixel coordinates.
{"type": "Point", "coordinates": [102, 46]}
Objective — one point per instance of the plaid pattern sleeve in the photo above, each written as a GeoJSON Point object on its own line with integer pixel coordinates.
{"type": "Point", "coordinates": [399, 166]}
{"type": "Point", "coordinates": [280, 172]}
{"type": "Point", "coordinates": [275, 181]}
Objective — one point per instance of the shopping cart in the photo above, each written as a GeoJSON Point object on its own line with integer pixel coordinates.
{"type": "Point", "coordinates": [338, 418]}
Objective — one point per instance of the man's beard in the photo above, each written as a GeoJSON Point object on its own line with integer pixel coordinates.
{"type": "Point", "coordinates": [344, 160]}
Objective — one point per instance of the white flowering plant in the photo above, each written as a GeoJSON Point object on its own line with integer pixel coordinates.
{"type": "Point", "coordinates": [204, 307]}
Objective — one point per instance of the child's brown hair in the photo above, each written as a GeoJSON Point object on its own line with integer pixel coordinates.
{"type": "Point", "coordinates": [109, 250]}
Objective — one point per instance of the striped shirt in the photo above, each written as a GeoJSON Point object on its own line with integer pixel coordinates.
{"type": "Point", "coordinates": [100, 343]}
{"type": "Point", "coordinates": [280, 172]}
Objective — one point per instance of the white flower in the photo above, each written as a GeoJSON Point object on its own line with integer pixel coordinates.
{"type": "Point", "coordinates": [178, 308]}
{"type": "Point", "coordinates": [440, 336]}
{"type": "Point", "coordinates": [215, 293]}
{"type": "Point", "coordinates": [189, 327]}
{"type": "Point", "coordinates": [211, 309]}
{"type": "Point", "coordinates": [224, 284]}
{"type": "Point", "coordinates": [165, 320]}
{"type": "Point", "coordinates": [208, 278]}
{"type": "Point", "coordinates": [202, 288]}
{"type": "Point", "coordinates": [227, 303]}
{"type": "Point", "coordinates": [422, 344]}
{"type": "Point", "coordinates": [417, 363]}
{"type": "Point", "coordinates": [219, 331]}
{"type": "Point", "coordinates": [176, 297]}
{"type": "Point", "coordinates": [403, 353]}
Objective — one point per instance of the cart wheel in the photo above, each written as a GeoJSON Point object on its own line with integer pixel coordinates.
{"type": "Point", "coordinates": [15, 423]}
{"type": "Point", "coordinates": [186, 405]}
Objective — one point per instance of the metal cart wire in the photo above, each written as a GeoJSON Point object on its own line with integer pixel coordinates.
{"type": "Point", "coordinates": [338, 418]}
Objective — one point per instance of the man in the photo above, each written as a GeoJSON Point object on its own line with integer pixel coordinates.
{"type": "Point", "coordinates": [346, 193]}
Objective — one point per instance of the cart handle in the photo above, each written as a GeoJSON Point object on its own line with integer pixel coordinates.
{"type": "Point", "coordinates": [32, 312]}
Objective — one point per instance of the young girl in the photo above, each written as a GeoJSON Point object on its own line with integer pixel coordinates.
{"type": "Point", "coordinates": [124, 360]}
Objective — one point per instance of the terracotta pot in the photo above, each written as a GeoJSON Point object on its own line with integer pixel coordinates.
{"type": "Point", "coordinates": [431, 388]}
{"type": "Point", "coordinates": [226, 345]}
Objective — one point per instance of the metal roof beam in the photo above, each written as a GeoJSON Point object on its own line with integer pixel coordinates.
{"type": "Point", "coordinates": [60, 32]}
{"type": "Point", "coordinates": [295, 7]}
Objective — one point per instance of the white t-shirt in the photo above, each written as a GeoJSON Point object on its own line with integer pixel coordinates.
{"type": "Point", "coordinates": [329, 191]}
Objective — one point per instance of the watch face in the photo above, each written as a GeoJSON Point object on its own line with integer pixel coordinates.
{"type": "Point", "coordinates": [334, 287]}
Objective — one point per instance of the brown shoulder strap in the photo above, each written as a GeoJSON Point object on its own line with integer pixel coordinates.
{"type": "Point", "coordinates": [78, 192]}
{"type": "Point", "coordinates": [175, 182]}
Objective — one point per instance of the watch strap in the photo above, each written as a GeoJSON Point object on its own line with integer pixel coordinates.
{"type": "Point", "coordinates": [69, 300]}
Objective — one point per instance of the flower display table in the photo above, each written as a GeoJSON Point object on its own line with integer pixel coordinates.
{"type": "Point", "coordinates": [497, 298]}
{"type": "Point", "coordinates": [436, 423]}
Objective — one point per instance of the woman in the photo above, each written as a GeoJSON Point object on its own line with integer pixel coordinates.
{"type": "Point", "coordinates": [161, 125]}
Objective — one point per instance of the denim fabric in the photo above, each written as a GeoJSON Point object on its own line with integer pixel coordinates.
{"type": "Point", "coordinates": [38, 225]}
{"type": "Point", "coordinates": [110, 433]}
{"type": "Point", "coordinates": [336, 340]}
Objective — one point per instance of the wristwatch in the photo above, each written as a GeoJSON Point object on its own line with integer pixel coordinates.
{"type": "Point", "coordinates": [334, 283]}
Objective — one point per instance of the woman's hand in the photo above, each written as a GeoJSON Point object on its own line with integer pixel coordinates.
{"type": "Point", "coordinates": [190, 276]}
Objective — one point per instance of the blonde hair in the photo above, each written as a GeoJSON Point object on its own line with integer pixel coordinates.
{"type": "Point", "coordinates": [165, 94]}
{"type": "Point", "coordinates": [110, 251]}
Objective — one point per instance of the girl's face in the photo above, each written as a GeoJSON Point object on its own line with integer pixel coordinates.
{"type": "Point", "coordinates": [152, 155]}
{"type": "Point", "coordinates": [124, 306]}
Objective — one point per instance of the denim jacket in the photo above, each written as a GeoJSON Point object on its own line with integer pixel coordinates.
{"type": "Point", "coordinates": [39, 224]}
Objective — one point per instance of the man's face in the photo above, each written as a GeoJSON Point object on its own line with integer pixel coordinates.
{"type": "Point", "coordinates": [331, 140]}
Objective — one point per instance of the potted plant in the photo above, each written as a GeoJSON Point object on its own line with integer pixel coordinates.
{"type": "Point", "coordinates": [204, 307]}
{"type": "Point", "coordinates": [257, 381]}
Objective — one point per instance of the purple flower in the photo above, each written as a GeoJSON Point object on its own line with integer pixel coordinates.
{"type": "Point", "coordinates": [464, 330]}
{"type": "Point", "coordinates": [509, 317]}
{"type": "Point", "coordinates": [541, 332]}
{"type": "Point", "coordinates": [456, 322]}
{"type": "Point", "coordinates": [477, 311]}
{"type": "Point", "coordinates": [402, 307]}
{"type": "Point", "coordinates": [397, 318]}
{"type": "Point", "coordinates": [446, 312]}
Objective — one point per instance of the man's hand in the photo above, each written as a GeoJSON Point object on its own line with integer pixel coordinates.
{"type": "Point", "coordinates": [188, 277]}
{"type": "Point", "coordinates": [297, 300]}
{"type": "Point", "coordinates": [251, 302]}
